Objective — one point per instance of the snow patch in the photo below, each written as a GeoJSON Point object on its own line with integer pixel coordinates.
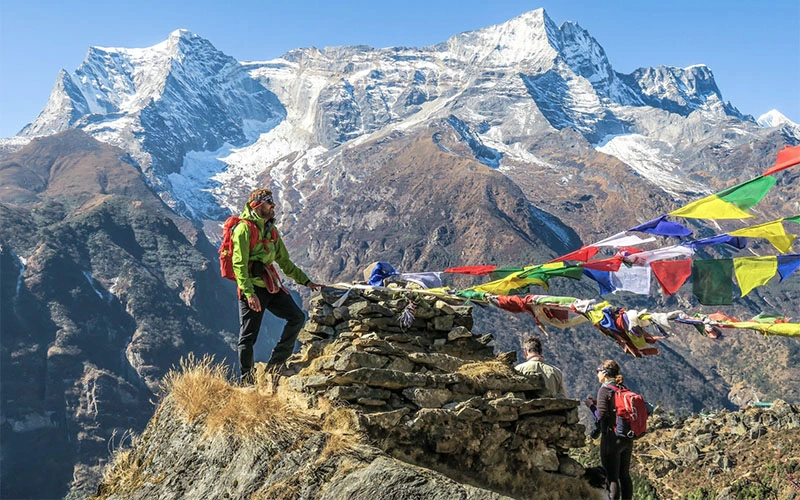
{"type": "Point", "coordinates": [112, 290]}
{"type": "Point", "coordinates": [20, 278]}
{"type": "Point", "coordinates": [195, 185]}
{"type": "Point", "coordinates": [650, 158]}
{"type": "Point", "coordinates": [89, 278]}
{"type": "Point", "coordinates": [15, 143]}
{"type": "Point", "coordinates": [201, 184]}
{"type": "Point", "coordinates": [552, 222]}
{"type": "Point", "coordinates": [516, 152]}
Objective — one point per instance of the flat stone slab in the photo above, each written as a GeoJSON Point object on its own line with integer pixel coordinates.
{"type": "Point", "coordinates": [546, 405]}
{"type": "Point", "coordinates": [377, 377]}
{"type": "Point", "coordinates": [443, 362]}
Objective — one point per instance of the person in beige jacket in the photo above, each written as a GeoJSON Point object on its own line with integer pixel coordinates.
{"type": "Point", "coordinates": [534, 365]}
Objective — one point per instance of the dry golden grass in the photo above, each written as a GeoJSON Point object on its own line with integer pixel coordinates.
{"type": "Point", "coordinates": [344, 433]}
{"type": "Point", "coordinates": [201, 388]}
{"type": "Point", "coordinates": [124, 474]}
{"type": "Point", "coordinates": [484, 370]}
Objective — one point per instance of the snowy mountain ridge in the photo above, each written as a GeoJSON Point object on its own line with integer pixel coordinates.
{"type": "Point", "coordinates": [167, 105]}
{"type": "Point", "coordinates": [204, 126]}
{"type": "Point", "coordinates": [774, 118]}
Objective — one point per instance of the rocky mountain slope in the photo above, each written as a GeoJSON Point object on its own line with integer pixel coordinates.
{"type": "Point", "coordinates": [508, 145]}
{"type": "Point", "coordinates": [103, 289]}
{"type": "Point", "coordinates": [751, 453]}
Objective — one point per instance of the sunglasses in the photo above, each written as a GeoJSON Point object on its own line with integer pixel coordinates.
{"type": "Point", "coordinates": [259, 201]}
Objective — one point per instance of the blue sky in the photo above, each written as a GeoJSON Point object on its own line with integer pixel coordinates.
{"type": "Point", "coordinates": [752, 47]}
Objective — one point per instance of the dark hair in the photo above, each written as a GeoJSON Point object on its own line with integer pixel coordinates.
{"type": "Point", "coordinates": [611, 369]}
{"type": "Point", "coordinates": [258, 193]}
{"type": "Point", "coordinates": [533, 344]}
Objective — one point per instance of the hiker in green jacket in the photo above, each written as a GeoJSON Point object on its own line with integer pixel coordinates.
{"type": "Point", "coordinates": [259, 285]}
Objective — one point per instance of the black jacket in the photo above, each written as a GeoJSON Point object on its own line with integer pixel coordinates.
{"type": "Point", "coordinates": [606, 412]}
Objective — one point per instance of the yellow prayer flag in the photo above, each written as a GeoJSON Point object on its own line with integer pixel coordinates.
{"type": "Point", "coordinates": [510, 282]}
{"type": "Point", "coordinates": [711, 207]}
{"type": "Point", "coordinates": [781, 329]}
{"type": "Point", "coordinates": [752, 272]}
{"type": "Point", "coordinates": [595, 314]}
{"type": "Point", "coordinates": [772, 231]}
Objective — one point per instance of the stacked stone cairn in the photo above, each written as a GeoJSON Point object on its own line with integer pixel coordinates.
{"type": "Point", "coordinates": [429, 391]}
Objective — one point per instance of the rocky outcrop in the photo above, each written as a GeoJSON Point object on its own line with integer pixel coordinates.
{"type": "Point", "coordinates": [428, 390]}
{"type": "Point", "coordinates": [394, 398]}
{"type": "Point", "coordinates": [174, 460]}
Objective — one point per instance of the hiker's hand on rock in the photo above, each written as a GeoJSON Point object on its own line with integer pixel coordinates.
{"type": "Point", "coordinates": [590, 401]}
{"type": "Point", "coordinates": [253, 303]}
{"type": "Point", "coordinates": [314, 286]}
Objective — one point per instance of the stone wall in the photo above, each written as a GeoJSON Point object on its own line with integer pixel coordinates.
{"type": "Point", "coordinates": [428, 390]}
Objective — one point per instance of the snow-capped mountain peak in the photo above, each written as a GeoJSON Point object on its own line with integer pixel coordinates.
{"type": "Point", "coordinates": [530, 38]}
{"type": "Point", "coordinates": [679, 90]}
{"type": "Point", "coordinates": [774, 118]}
{"type": "Point", "coordinates": [161, 103]}
{"type": "Point", "coordinates": [583, 54]}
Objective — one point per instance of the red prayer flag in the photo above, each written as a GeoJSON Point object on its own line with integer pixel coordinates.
{"type": "Point", "coordinates": [720, 316]}
{"type": "Point", "coordinates": [671, 274]}
{"type": "Point", "coordinates": [610, 264]}
{"type": "Point", "coordinates": [515, 303]}
{"type": "Point", "coordinates": [582, 254]}
{"type": "Point", "coordinates": [474, 270]}
{"type": "Point", "coordinates": [787, 157]}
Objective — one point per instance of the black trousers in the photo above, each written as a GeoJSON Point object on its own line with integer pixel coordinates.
{"type": "Point", "coordinates": [615, 455]}
{"type": "Point", "coordinates": [281, 305]}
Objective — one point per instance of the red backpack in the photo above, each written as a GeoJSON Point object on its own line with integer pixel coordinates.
{"type": "Point", "coordinates": [226, 248]}
{"type": "Point", "coordinates": [631, 410]}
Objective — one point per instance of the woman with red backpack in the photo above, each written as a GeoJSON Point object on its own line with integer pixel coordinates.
{"type": "Point", "coordinates": [616, 447]}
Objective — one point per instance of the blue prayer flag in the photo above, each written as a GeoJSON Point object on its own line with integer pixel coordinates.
{"type": "Point", "coordinates": [787, 264]}
{"type": "Point", "coordinates": [603, 278]}
{"type": "Point", "coordinates": [734, 241]}
{"type": "Point", "coordinates": [663, 227]}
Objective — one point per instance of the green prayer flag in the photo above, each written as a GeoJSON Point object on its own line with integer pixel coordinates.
{"type": "Point", "coordinates": [767, 318]}
{"type": "Point", "coordinates": [503, 272]}
{"type": "Point", "coordinates": [747, 194]}
{"type": "Point", "coordinates": [712, 281]}
{"type": "Point", "coordinates": [471, 295]}
{"type": "Point", "coordinates": [796, 219]}
{"type": "Point", "coordinates": [573, 272]}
